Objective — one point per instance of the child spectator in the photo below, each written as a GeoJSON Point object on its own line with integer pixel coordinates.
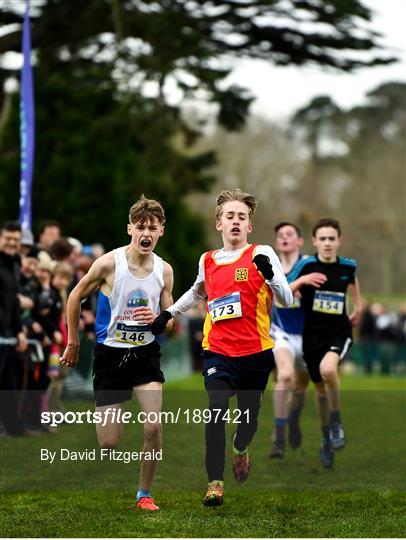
{"type": "Point", "coordinates": [61, 279]}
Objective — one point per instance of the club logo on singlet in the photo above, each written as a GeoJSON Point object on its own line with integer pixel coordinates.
{"type": "Point", "coordinates": [137, 298]}
{"type": "Point", "coordinates": [241, 274]}
{"type": "Point", "coordinates": [127, 330]}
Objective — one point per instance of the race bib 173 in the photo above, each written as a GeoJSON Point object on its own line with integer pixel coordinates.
{"type": "Point", "coordinates": [225, 307]}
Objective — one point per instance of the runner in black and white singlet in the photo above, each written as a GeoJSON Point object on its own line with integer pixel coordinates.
{"type": "Point", "coordinates": [134, 285]}
{"type": "Point", "coordinates": [327, 333]}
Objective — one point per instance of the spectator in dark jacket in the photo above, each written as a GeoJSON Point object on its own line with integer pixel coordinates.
{"type": "Point", "coordinates": [10, 325]}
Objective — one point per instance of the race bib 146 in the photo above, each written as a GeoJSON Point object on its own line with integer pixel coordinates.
{"type": "Point", "coordinates": [133, 334]}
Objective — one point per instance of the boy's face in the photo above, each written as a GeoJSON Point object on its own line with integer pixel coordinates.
{"type": "Point", "coordinates": [234, 223]}
{"type": "Point", "coordinates": [327, 241]}
{"type": "Point", "coordinates": [29, 266]}
{"type": "Point", "coordinates": [43, 276]}
{"type": "Point", "coordinates": [61, 281]}
{"type": "Point", "coordinates": [51, 234]}
{"type": "Point", "coordinates": [287, 240]}
{"type": "Point", "coordinates": [144, 236]}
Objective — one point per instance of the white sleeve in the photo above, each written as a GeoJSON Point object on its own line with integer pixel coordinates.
{"type": "Point", "coordinates": [279, 284]}
{"type": "Point", "coordinates": [192, 296]}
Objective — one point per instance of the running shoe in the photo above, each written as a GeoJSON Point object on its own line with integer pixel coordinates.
{"type": "Point", "coordinates": [295, 433]}
{"type": "Point", "coordinates": [241, 464]}
{"type": "Point", "coordinates": [147, 503]}
{"type": "Point", "coordinates": [337, 436]}
{"type": "Point", "coordinates": [326, 454]}
{"type": "Point", "coordinates": [278, 449]}
{"type": "Point", "coordinates": [215, 493]}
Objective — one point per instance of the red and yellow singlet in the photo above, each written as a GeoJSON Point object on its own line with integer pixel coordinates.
{"type": "Point", "coordinates": [238, 306]}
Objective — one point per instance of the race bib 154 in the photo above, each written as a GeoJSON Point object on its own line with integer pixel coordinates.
{"type": "Point", "coordinates": [329, 302]}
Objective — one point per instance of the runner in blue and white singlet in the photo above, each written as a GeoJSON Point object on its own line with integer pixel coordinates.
{"type": "Point", "coordinates": [287, 325]}
{"type": "Point", "coordinates": [286, 331]}
{"type": "Point", "coordinates": [116, 319]}
{"type": "Point", "coordinates": [134, 285]}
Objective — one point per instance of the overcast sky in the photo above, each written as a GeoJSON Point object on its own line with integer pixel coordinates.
{"type": "Point", "coordinates": [282, 90]}
{"type": "Point", "coordinates": [279, 91]}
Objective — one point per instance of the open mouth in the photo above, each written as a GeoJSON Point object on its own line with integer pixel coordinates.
{"type": "Point", "coordinates": [146, 243]}
{"type": "Point", "coordinates": [235, 230]}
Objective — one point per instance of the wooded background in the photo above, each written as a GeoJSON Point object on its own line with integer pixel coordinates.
{"type": "Point", "coordinates": [109, 129]}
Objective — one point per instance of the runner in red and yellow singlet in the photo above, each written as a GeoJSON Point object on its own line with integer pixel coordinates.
{"type": "Point", "coordinates": [238, 282]}
{"type": "Point", "coordinates": [227, 286]}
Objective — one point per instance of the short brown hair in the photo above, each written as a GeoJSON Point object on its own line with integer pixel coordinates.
{"type": "Point", "coordinates": [60, 249]}
{"type": "Point", "coordinates": [146, 209]}
{"type": "Point", "coordinates": [326, 222]}
{"type": "Point", "coordinates": [288, 224]}
{"type": "Point", "coordinates": [235, 195]}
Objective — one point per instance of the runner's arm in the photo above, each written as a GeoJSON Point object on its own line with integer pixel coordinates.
{"type": "Point", "coordinates": [93, 279]}
{"type": "Point", "coordinates": [278, 283]}
{"type": "Point", "coordinates": [191, 297]}
{"type": "Point", "coordinates": [166, 299]}
{"type": "Point", "coordinates": [185, 302]}
{"type": "Point", "coordinates": [355, 292]}
{"type": "Point", "coordinates": [314, 279]}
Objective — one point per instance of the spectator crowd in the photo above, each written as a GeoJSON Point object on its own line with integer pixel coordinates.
{"type": "Point", "coordinates": [35, 281]}
{"type": "Point", "coordinates": [382, 337]}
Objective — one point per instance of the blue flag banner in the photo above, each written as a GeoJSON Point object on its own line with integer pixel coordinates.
{"type": "Point", "coordinates": [27, 125]}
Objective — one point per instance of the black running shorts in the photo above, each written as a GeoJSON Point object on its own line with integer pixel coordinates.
{"type": "Point", "coordinates": [313, 353]}
{"type": "Point", "coordinates": [244, 372]}
{"type": "Point", "coordinates": [117, 370]}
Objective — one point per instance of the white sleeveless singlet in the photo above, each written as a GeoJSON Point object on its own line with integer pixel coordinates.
{"type": "Point", "coordinates": [116, 325]}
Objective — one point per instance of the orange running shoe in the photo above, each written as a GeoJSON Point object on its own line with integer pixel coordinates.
{"type": "Point", "coordinates": [147, 503]}
{"type": "Point", "coordinates": [214, 495]}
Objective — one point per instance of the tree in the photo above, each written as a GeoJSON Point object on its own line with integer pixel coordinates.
{"type": "Point", "coordinates": [106, 122]}
{"type": "Point", "coordinates": [356, 172]}
{"type": "Point", "coordinates": [259, 159]}
{"type": "Point", "coordinates": [345, 164]}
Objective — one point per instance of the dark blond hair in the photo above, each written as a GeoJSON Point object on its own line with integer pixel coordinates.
{"type": "Point", "coordinates": [235, 195]}
{"type": "Point", "coordinates": [146, 209]}
{"type": "Point", "coordinates": [62, 269]}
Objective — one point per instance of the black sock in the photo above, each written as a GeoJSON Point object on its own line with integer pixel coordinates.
{"type": "Point", "coordinates": [219, 392]}
{"type": "Point", "coordinates": [294, 414]}
{"type": "Point", "coordinates": [334, 417]}
{"type": "Point", "coordinates": [326, 433]}
{"type": "Point", "coordinates": [295, 410]}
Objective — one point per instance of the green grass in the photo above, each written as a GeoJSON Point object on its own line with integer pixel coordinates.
{"type": "Point", "coordinates": [364, 496]}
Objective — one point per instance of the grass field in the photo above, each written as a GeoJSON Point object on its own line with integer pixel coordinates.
{"type": "Point", "coordinates": [363, 496]}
